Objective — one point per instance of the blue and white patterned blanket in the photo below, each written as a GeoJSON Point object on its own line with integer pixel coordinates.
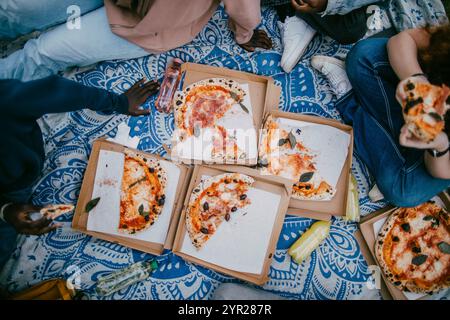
{"type": "Point", "coordinates": [336, 270]}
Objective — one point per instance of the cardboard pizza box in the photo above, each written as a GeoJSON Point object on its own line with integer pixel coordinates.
{"type": "Point", "coordinates": [337, 206]}
{"type": "Point", "coordinates": [263, 92]}
{"type": "Point", "coordinates": [274, 185]}
{"type": "Point", "coordinates": [80, 219]}
{"type": "Point", "coordinates": [366, 238]}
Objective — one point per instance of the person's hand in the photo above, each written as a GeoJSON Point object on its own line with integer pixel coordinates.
{"type": "Point", "coordinates": [407, 139]}
{"type": "Point", "coordinates": [260, 39]}
{"type": "Point", "coordinates": [309, 6]}
{"type": "Point", "coordinates": [17, 215]}
{"type": "Point", "coordinates": [137, 95]}
{"type": "Point", "coordinates": [401, 94]}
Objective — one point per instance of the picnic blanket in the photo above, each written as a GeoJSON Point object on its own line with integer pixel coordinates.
{"type": "Point", "coordinates": [336, 270]}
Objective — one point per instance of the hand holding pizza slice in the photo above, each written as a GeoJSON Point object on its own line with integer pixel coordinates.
{"type": "Point", "coordinates": [424, 109]}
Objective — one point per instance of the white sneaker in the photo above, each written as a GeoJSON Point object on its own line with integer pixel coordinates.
{"type": "Point", "coordinates": [334, 70]}
{"type": "Point", "coordinates": [296, 34]}
{"type": "Point", "coordinates": [375, 194]}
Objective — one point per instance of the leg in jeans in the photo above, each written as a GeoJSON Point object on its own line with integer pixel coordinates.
{"type": "Point", "coordinates": [8, 234]}
{"type": "Point", "coordinates": [61, 48]}
{"type": "Point", "coordinates": [376, 116]}
{"type": "Point", "coordinates": [19, 17]}
{"type": "Point", "coordinates": [345, 29]}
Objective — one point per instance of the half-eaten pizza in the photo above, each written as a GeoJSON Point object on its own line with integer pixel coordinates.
{"type": "Point", "coordinates": [282, 153]}
{"type": "Point", "coordinates": [212, 111]}
{"type": "Point", "coordinates": [424, 109]}
{"type": "Point", "coordinates": [214, 201]}
{"type": "Point", "coordinates": [142, 194]}
{"type": "Point", "coordinates": [413, 248]}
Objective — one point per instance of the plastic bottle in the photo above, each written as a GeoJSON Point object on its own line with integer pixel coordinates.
{"type": "Point", "coordinates": [169, 86]}
{"type": "Point", "coordinates": [123, 278]}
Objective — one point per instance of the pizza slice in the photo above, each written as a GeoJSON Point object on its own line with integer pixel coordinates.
{"type": "Point", "coordinates": [142, 193]}
{"type": "Point", "coordinates": [282, 153]}
{"type": "Point", "coordinates": [56, 210]}
{"type": "Point", "coordinates": [214, 201]}
{"type": "Point", "coordinates": [424, 109]}
{"type": "Point", "coordinates": [413, 248]}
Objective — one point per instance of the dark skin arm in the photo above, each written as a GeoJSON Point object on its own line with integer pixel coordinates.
{"type": "Point", "coordinates": [309, 6]}
{"type": "Point", "coordinates": [260, 39]}
{"type": "Point", "coordinates": [18, 215]}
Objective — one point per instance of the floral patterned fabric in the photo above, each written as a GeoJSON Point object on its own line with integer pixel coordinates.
{"type": "Point", "coordinates": [336, 270]}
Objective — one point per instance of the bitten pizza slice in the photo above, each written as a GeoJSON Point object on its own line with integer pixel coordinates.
{"type": "Point", "coordinates": [143, 192]}
{"type": "Point", "coordinates": [424, 109]}
{"type": "Point", "coordinates": [213, 201]}
{"type": "Point", "coordinates": [413, 248]}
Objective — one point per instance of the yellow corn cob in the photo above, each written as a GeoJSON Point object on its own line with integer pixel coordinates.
{"type": "Point", "coordinates": [309, 241]}
{"type": "Point", "coordinates": [352, 213]}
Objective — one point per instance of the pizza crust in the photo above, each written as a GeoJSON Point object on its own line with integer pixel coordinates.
{"type": "Point", "coordinates": [192, 213]}
{"type": "Point", "coordinates": [385, 244]}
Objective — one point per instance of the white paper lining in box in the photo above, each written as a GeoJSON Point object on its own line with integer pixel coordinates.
{"type": "Point", "coordinates": [241, 244]}
{"type": "Point", "coordinates": [328, 144]}
{"type": "Point", "coordinates": [107, 185]}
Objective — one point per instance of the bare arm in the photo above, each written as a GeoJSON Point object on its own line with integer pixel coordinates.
{"type": "Point", "coordinates": [403, 51]}
{"type": "Point", "coordinates": [403, 55]}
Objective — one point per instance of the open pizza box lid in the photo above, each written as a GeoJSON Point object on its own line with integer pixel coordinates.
{"type": "Point", "coordinates": [279, 187]}
{"type": "Point", "coordinates": [263, 92]}
{"type": "Point", "coordinates": [320, 210]}
{"type": "Point", "coordinates": [366, 238]}
{"type": "Point", "coordinates": [80, 219]}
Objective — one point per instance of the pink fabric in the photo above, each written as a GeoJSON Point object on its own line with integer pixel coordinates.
{"type": "Point", "coordinates": [172, 23]}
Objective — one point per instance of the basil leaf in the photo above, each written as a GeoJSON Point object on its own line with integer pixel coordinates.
{"type": "Point", "coordinates": [141, 209]}
{"type": "Point", "coordinates": [418, 260]}
{"type": "Point", "coordinates": [435, 116]}
{"type": "Point", "coordinates": [444, 247]}
{"type": "Point", "coordinates": [234, 96]}
{"type": "Point", "coordinates": [306, 177]}
{"type": "Point", "coordinates": [244, 107]}
{"type": "Point", "coordinates": [292, 140]}
{"type": "Point", "coordinates": [91, 204]}
{"type": "Point", "coordinates": [428, 218]}
{"type": "Point", "coordinates": [282, 142]}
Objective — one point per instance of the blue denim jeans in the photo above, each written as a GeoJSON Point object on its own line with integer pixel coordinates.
{"type": "Point", "coordinates": [376, 116]}
{"type": "Point", "coordinates": [63, 46]}
{"type": "Point", "coordinates": [8, 234]}
{"type": "Point", "coordinates": [19, 17]}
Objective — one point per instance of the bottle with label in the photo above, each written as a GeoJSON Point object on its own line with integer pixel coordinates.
{"type": "Point", "coordinates": [169, 86]}
{"type": "Point", "coordinates": [123, 278]}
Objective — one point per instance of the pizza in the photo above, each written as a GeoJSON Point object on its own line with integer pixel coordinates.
{"type": "Point", "coordinates": [201, 104]}
{"type": "Point", "coordinates": [201, 111]}
{"type": "Point", "coordinates": [55, 210]}
{"type": "Point", "coordinates": [282, 153]}
{"type": "Point", "coordinates": [142, 193]}
{"type": "Point", "coordinates": [413, 248]}
{"type": "Point", "coordinates": [424, 109]}
{"type": "Point", "coordinates": [213, 201]}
